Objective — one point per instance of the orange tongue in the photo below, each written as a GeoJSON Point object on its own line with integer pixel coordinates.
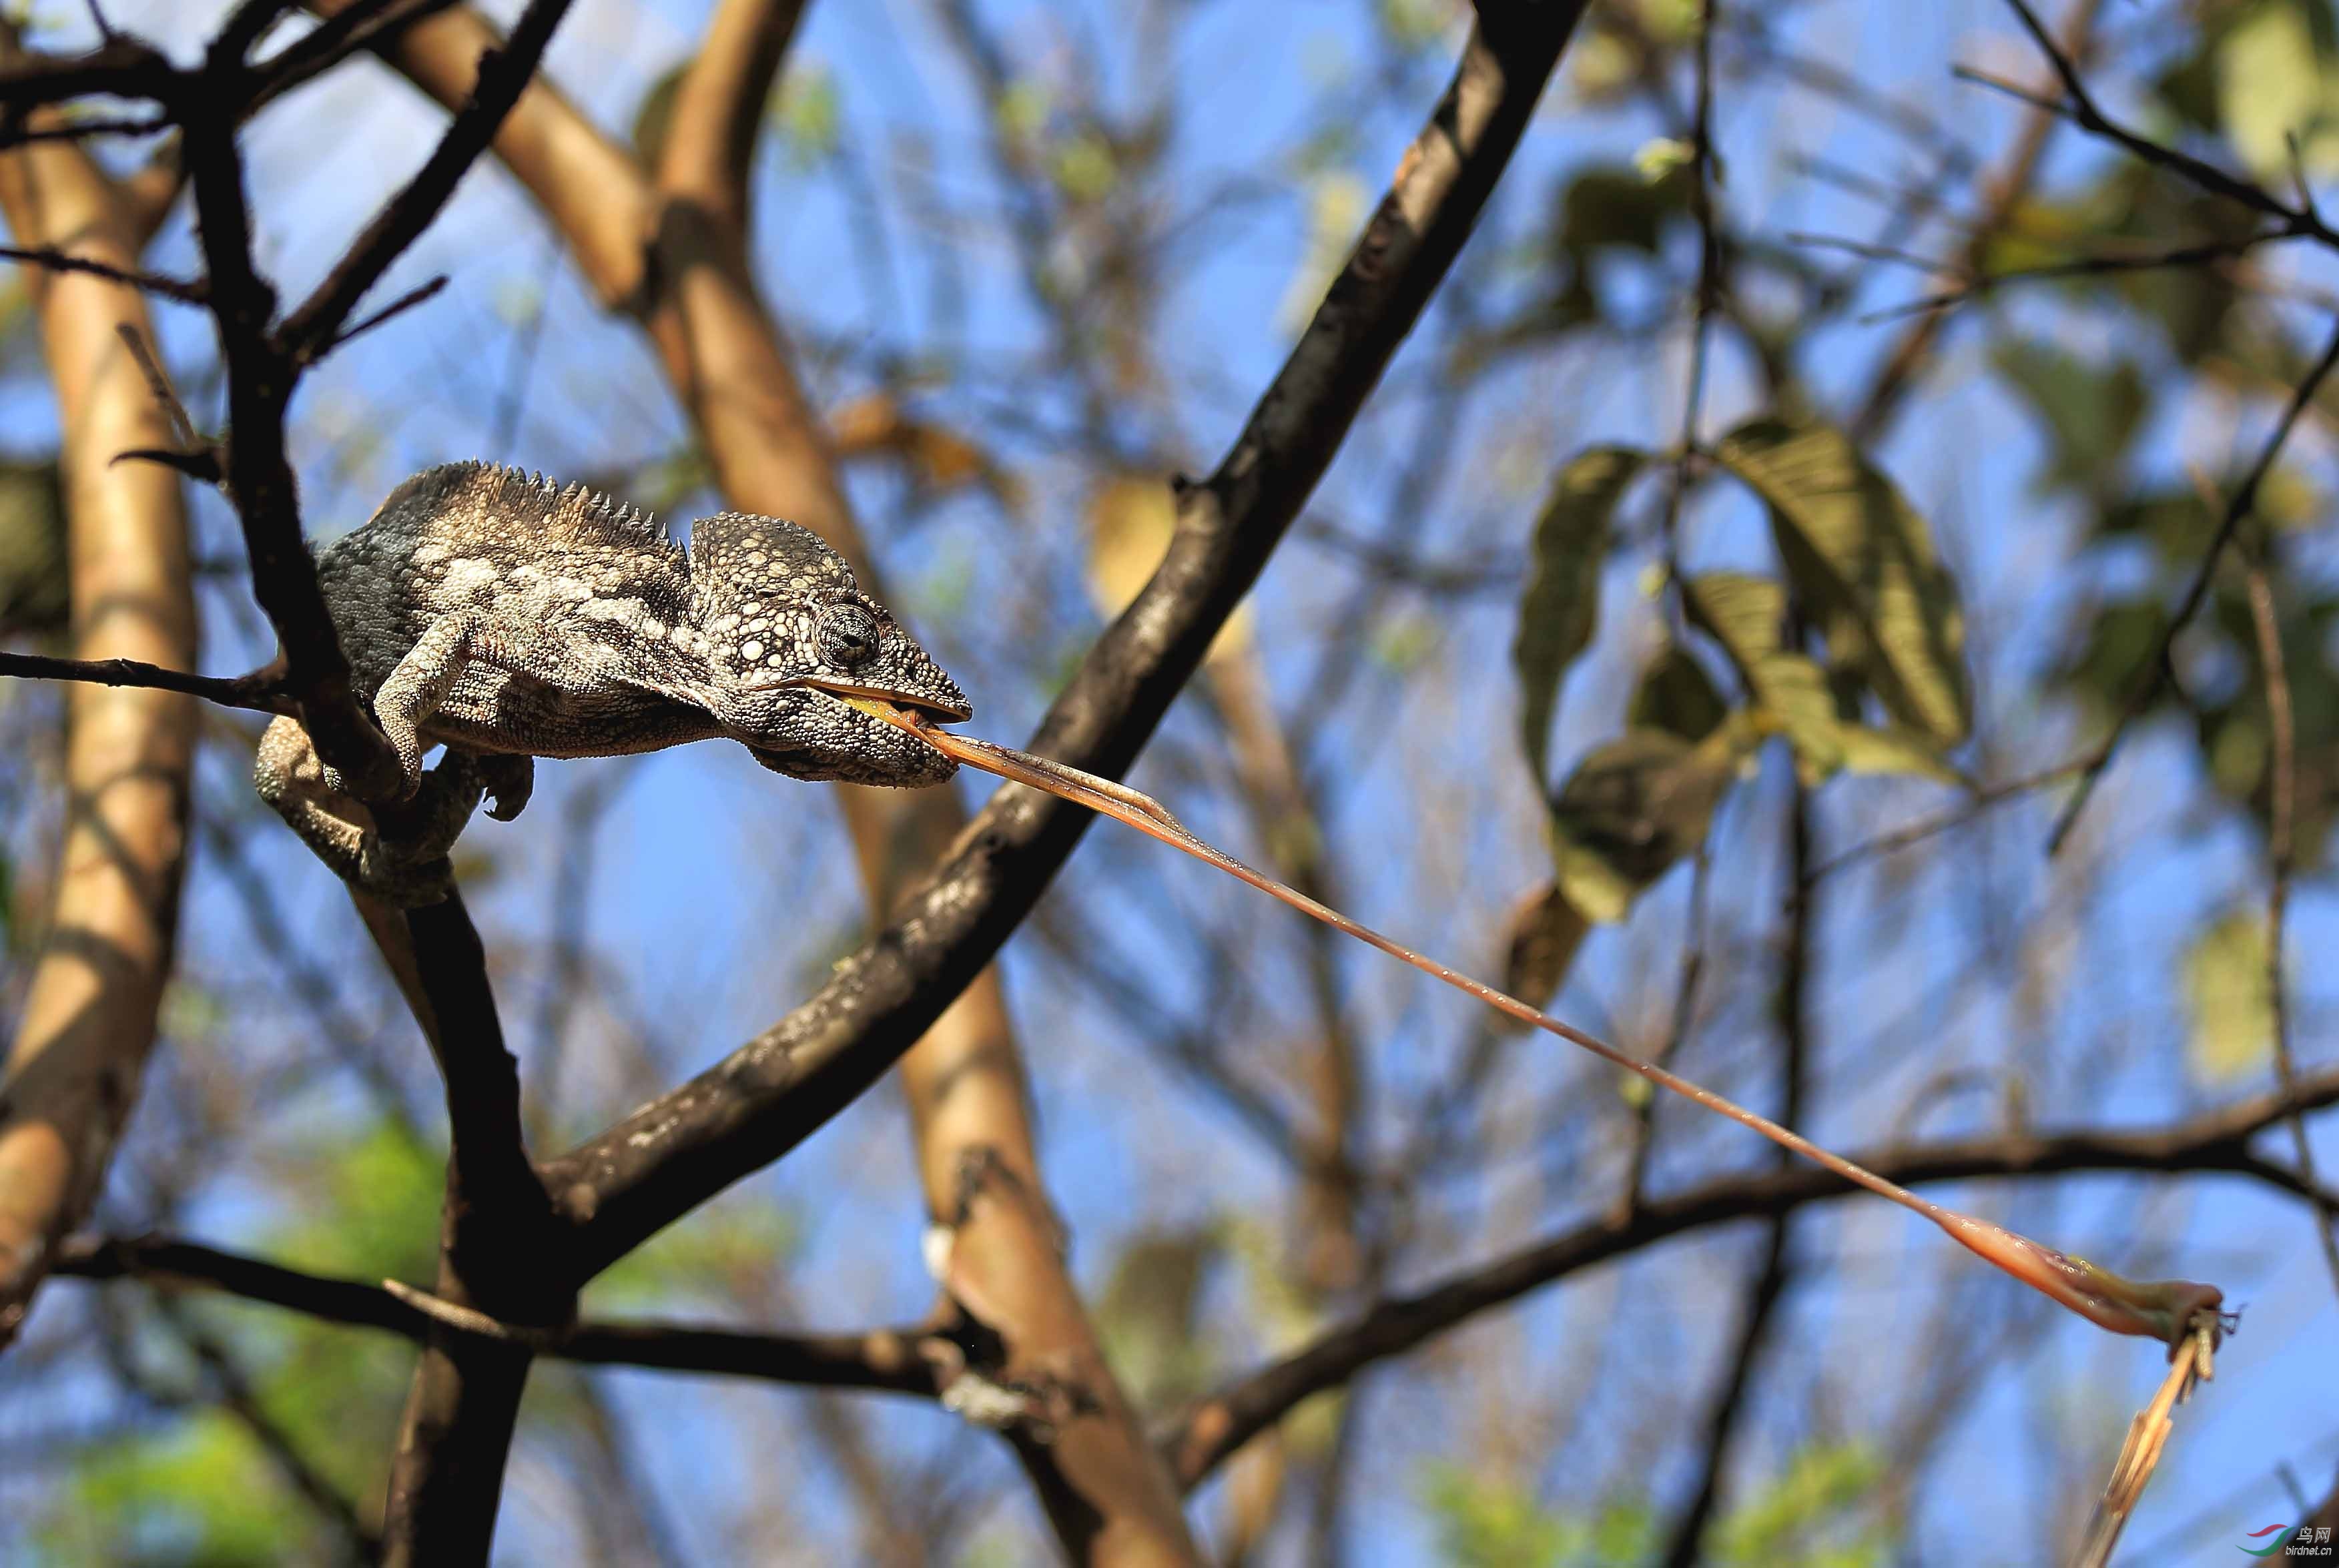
{"type": "Point", "coordinates": [2167, 1311]}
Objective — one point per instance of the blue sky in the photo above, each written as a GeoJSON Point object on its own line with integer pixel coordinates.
{"type": "Point", "coordinates": [719, 892]}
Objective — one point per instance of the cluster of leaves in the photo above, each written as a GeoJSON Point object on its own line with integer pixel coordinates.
{"type": "Point", "coordinates": [1806, 1514]}
{"type": "Point", "coordinates": [2255, 73]}
{"type": "Point", "coordinates": [1853, 657]}
{"type": "Point", "coordinates": [2254, 76]}
{"type": "Point", "coordinates": [204, 1489]}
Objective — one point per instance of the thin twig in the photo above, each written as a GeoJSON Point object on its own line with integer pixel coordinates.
{"type": "Point", "coordinates": [158, 382]}
{"type": "Point", "coordinates": [504, 75]}
{"type": "Point", "coordinates": [2089, 117]}
{"type": "Point", "coordinates": [2007, 191]}
{"type": "Point", "coordinates": [1709, 285]}
{"type": "Point", "coordinates": [186, 291]}
{"type": "Point", "coordinates": [404, 303]}
{"type": "Point", "coordinates": [1916, 833]}
{"type": "Point", "coordinates": [363, 26]}
{"type": "Point", "coordinates": [203, 466]}
{"type": "Point", "coordinates": [2280, 851]}
{"type": "Point", "coordinates": [2086, 267]}
{"type": "Point", "coordinates": [1977, 286]}
{"type": "Point", "coordinates": [884, 1359]}
{"type": "Point", "coordinates": [2239, 508]}
{"type": "Point", "coordinates": [82, 129]}
{"type": "Point", "coordinates": [260, 692]}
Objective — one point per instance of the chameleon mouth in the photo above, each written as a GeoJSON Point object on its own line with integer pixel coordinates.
{"type": "Point", "coordinates": [856, 694]}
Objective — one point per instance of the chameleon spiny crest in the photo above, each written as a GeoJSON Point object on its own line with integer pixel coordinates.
{"type": "Point", "coordinates": [510, 617]}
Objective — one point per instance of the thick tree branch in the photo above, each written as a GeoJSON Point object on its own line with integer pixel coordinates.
{"type": "Point", "coordinates": [89, 1014]}
{"type": "Point", "coordinates": [671, 247]}
{"type": "Point", "coordinates": [718, 111]}
{"type": "Point", "coordinates": [258, 476]}
{"type": "Point", "coordinates": [447, 1477]}
{"type": "Point", "coordinates": [496, 1229]}
{"type": "Point", "coordinates": [774, 1091]}
{"type": "Point", "coordinates": [2218, 1141]}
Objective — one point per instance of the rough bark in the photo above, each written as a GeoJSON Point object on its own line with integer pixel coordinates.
{"type": "Point", "coordinates": [81, 1047]}
{"type": "Point", "coordinates": [669, 247]}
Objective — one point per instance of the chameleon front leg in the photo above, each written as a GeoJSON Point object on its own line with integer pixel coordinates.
{"type": "Point", "coordinates": [397, 855]}
{"type": "Point", "coordinates": [420, 682]}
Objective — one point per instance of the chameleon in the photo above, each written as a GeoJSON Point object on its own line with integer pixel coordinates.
{"type": "Point", "coordinates": [505, 618]}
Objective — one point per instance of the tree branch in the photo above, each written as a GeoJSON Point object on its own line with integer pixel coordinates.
{"type": "Point", "coordinates": [1202, 1438]}
{"type": "Point", "coordinates": [186, 291]}
{"type": "Point", "coordinates": [718, 110]}
{"type": "Point", "coordinates": [774, 1091]}
{"type": "Point", "coordinates": [2007, 191]}
{"type": "Point", "coordinates": [79, 1046]}
{"type": "Point", "coordinates": [260, 692]}
{"type": "Point", "coordinates": [1686, 1537]}
{"type": "Point", "coordinates": [2238, 508]}
{"type": "Point", "coordinates": [497, 1230]}
{"type": "Point", "coordinates": [363, 26]}
{"type": "Point", "coordinates": [880, 1360]}
{"type": "Point", "coordinates": [503, 74]}
{"type": "Point", "coordinates": [2089, 117]}
{"type": "Point", "coordinates": [2282, 803]}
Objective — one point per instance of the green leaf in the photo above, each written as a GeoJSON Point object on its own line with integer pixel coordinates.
{"type": "Point", "coordinates": [806, 114]}
{"type": "Point", "coordinates": [1561, 607]}
{"type": "Point", "coordinates": [1746, 616]}
{"type": "Point", "coordinates": [201, 1484]}
{"type": "Point", "coordinates": [719, 1254]}
{"type": "Point", "coordinates": [368, 1205]}
{"type": "Point", "coordinates": [1543, 933]}
{"type": "Point", "coordinates": [1675, 695]}
{"type": "Point", "coordinates": [1802, 1515]}
{"type": "Point", "coordinates": [2231, 1005]}
{"type": "Point", "coordinates": [33, 589]}
{"type": "Point", "coordinates": [2093, 413]}
{"type": "Point", "coordinates": [1634, 808]}
{"type": "Point", "coordinates": [1864, 561]}
{"type": "Point", "coordinates": [2274, 83]}
{"type": "Point", "coordinates": [1620, 209]}
{"type": "Point", "coordinates": [1148, 1314]}
{"type": "Point", "coordinates": [1484, 1522]}
{"type": "Point", "coordinates": [1894, 750]}
{"type": "Point", "coordinates": [654, 115]}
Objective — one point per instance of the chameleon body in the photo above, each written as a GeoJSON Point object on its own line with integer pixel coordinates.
{"type": "Point", "coordinates": [507, 617]}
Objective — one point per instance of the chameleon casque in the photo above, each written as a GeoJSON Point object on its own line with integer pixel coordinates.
{"type": "Point", "coordinates": [506, 617]}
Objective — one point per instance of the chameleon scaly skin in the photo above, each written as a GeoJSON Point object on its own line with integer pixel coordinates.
{"type": "Point", "coordinates": [508, 618]}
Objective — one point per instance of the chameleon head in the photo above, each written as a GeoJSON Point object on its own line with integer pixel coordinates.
{"type": "Point", "coordinates": [791, 636]}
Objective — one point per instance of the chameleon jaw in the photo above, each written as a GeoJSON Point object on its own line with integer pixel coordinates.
{"type": "Point", "coordinates": [865, 698]}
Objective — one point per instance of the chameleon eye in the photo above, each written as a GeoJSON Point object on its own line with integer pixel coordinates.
{"type": "Point", "coordinates": [847, 636]}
